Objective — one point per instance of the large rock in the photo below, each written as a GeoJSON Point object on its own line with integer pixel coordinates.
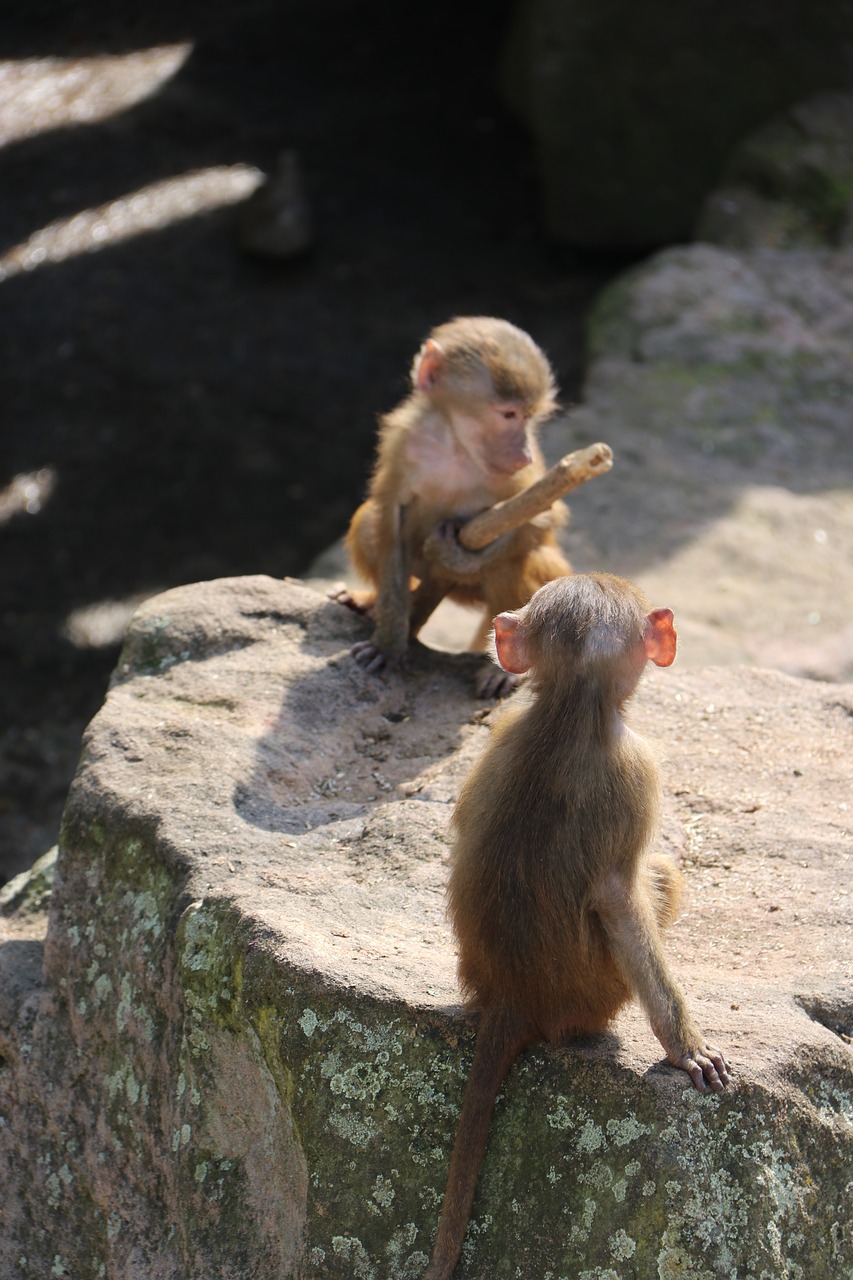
{"type": "Point", "coordinates": [247, 1058]}
{"type": "Point", "coordinates": [790, 183]}
{"type": "Point", "coordinates": [636, 108]}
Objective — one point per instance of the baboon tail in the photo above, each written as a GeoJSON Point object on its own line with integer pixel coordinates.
{"type": "Point", "coordinates": [501, 1037]}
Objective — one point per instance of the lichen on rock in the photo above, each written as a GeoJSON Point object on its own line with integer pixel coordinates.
{"type": "Point", "coordinates": [248, 1014]}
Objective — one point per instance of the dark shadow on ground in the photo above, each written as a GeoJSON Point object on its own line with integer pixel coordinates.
{"type": "Point", "coordinates": [204, 413]}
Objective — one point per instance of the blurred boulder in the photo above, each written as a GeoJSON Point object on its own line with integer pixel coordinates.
{"type": "Point", "coordinates": [790, 183]}
{"type": "Point", "coordinates": [635, 109]}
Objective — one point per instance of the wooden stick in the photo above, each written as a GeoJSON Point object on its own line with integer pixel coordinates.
{"type": "Point", "coordinates": [569, 473]}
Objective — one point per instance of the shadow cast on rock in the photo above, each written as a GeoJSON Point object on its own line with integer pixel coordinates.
{"type": "Point", "coordinates": [347, 744]}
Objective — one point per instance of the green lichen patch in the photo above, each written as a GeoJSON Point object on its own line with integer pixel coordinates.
{"type": "Point", "coordinates": [210, 944]}
{"type": "Point", "coordinates": [107, 1036]}
{"type": "Point", "coordinates": [589, 1171]}
{"type": "Point", "coordinates": [29, 892]}
{"type": "Point", "coordinates": [159, 637]}
{"type": "Point", "coordinates": [370, 1089]}
{"type": "Point", "coordinates": [304, 1131]}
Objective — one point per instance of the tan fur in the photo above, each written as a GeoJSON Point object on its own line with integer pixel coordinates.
{"type": "Point", "coordinates": [555, 901]}
{"type": "Point", "coordinates": [444, 455]}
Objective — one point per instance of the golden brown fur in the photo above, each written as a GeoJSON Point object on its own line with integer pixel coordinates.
{"type": "Point", "coordinates": [461, 441]}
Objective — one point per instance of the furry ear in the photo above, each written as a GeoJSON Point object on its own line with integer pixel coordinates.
{"type": "Point", "coordinates": [511, 643]}
{"type": "Point", "coordinates": [659, 637]}
{"type": "Point", "coordinates": [429, 366]}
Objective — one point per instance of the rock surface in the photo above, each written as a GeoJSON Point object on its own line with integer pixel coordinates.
{"type": "Point", "coordinates": [247, 1058]}
{"type": "Point", "coordinates": [724, 383]}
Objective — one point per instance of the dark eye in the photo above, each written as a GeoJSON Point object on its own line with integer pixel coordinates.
{"type": "Point", "coordinates": [509, 414]}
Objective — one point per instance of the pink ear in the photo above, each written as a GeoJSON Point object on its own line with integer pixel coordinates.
{"type": "Point", "coordinates": [660, 637]}
{"type": "Point", "coordinates": [511, 644]}
{"type": "Point", "coordinates": [429, 366]}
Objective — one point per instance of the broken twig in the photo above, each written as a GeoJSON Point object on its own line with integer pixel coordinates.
{"type": "Point", "coordinates": [569, 473]}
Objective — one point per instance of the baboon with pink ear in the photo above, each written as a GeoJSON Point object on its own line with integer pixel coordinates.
{"type": "Point", "coordinates": [557, 904]}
